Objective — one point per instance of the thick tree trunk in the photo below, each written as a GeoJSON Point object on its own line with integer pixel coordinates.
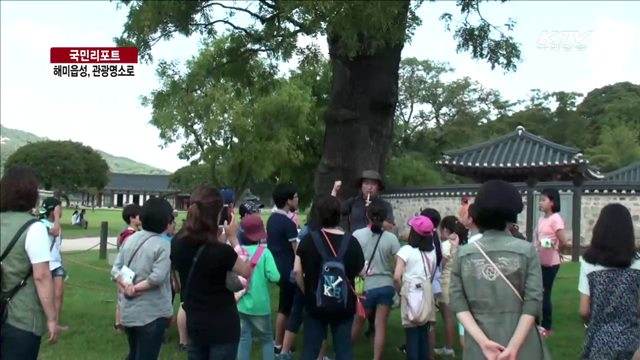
{"type": "Point", "coordinates": [359, 124]}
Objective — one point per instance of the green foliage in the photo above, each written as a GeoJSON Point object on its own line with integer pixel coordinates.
{"type": "Point", "coordinates": [188, 178]}
{"type": "Point", "coordinates": [246, 123]}
{"type": "Point", "coordinates": [619, 146]}
{"type": "Point", "coordinates": [413, 169]}
{"type": "Point", "coordinates": [612, 105]}
{"type": "Point", "coordinates": [13, 139]}
{"type": "Point", "coordinates": [63, 165]}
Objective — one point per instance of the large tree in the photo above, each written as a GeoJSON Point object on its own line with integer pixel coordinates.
{"type": "Point", "coordinates": [365, 44]}
{"type": "Point", "coordinates": [62, 166]}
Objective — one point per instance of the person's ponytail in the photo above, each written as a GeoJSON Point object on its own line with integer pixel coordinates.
{"type": "Point", "coordinates": [377, 213]}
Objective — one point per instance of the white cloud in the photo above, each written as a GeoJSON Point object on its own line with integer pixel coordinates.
{"type": "Point", "coordinates": [612, 56]}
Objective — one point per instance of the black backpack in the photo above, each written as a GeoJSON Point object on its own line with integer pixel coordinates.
{"type": "Point", "coordinates": [6, 297]}
{"type": "Point", "coordinates": [332, 292]}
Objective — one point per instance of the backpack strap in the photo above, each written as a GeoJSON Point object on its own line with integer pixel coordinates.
{"type": "Point", "coordinates": [344, 246]}
{"type": "Point", "coordinates": [193, 266]}
{"type": "Point", "coordinates": [11, 293]}
{"type": "Point", "coordinates": [255, 259]}
{"type": "Point", "coordinates": [317, 241]}
{"type": "Point", "coordinates": [16, 237]}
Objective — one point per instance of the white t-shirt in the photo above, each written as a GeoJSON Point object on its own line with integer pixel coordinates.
{"type": "Point", "coordinates": [586, 268]}
{"type": "Point", "coordinates": [37, 243]}
{"type": "Point", "coordinates": [56, 256]}
{"type": "Point", "coordinates": [74, 219]}
{"type": "Point", "coordinates": [415, 266]}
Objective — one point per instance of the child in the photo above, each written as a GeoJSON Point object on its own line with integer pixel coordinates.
{"type": "Point", "coordinates": [416, 262]}
{"type": "Point", "coordinates": [50, 213]}
{"type": "Point", "coordinates": [131, 216]}
{"type": "Point", "coordinates": [254, 306]}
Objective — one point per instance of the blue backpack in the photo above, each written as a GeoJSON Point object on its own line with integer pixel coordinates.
{"type": "Point", "coordinates": [332, 291]}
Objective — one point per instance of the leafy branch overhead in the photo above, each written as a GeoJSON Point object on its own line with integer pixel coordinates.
{"type": "Point", "coordinates": [273, 27]}
{"type": "Point", "coordinates": [215, 114]}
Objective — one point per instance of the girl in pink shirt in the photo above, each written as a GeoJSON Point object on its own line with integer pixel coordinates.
{"type": "Point", "coordinates": [550, 239]}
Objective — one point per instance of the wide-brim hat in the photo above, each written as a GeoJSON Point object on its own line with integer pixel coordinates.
{"type": "Point", "coordinates": [370, 175]}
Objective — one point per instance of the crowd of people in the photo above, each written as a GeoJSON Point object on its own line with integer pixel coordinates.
{"type": "Point", "coordinates": [342, 271]}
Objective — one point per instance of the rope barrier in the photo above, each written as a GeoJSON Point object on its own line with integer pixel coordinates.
{"type": "Point", "coordinates": [89, 287]}
{"type": "Point", "coordinates": [91, 248]}
{"type": "Point", "coordinates": [101, 269]}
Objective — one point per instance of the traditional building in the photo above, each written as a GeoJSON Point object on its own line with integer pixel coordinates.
{"type": "Point", "coordinates": [628, 174]}
{"type": "Point", "coordinates": [124, 189]}
{"type": "Point", "coordinates": [532, 163]}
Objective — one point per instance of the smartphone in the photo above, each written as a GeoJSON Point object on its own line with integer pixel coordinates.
{"type": "Point", "coordinates": [225, 215]}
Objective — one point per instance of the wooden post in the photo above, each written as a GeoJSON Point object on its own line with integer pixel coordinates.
{"type": "Point", "coordinates": [104, 232]}
{"type": "Point", "coordinates": [576, 219]}
{"type": "Point", "coordinates": [531, 182]}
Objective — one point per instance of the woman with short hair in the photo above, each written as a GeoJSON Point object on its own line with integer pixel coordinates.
{"type": "Point", "coordinates": [142, 270]}
{"type": "Point", "coordinates": [26, 277]}
{"type": "Point", "coordinates": [496, 282]}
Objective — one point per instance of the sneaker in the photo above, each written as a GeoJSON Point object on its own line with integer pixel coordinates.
{"type": "Point", "coordinates": [402, 349]}
{"type": "Point", "coordinates": [445, 352]}
{"type": "Point", "coordinates": [288, 356]}
{"type": "Point", "coordinates": [182, 347]}
{"type": "Point", "coordinates": [277, 350]}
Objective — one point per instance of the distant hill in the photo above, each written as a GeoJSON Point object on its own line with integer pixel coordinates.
{"type": "Point", "coordinates": [12, 139]}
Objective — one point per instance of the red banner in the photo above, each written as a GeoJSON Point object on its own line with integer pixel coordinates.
{"type": "Point", "coordinates": [94, 55]}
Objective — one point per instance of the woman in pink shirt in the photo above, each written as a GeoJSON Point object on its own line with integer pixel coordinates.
{"type": "Point", "coordinates": [550, 239]}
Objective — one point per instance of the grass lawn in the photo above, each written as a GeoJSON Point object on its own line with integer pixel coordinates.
{"type": "Point", "coordinates": [116, 224]}
{"type": "Point", "coordinates": [89, 309]}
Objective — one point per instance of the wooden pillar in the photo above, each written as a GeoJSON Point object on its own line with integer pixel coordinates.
{"type": "Point", "coordinates": [531, 182]}
{"type": "Point", "coordinates": [576, 219]}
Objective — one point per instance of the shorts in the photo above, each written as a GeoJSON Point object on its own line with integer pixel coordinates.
{"type": "Point", "coordinates": [285, 298]}
{"type": "Point", "coordinates": [379, 296]}
{"type": "Point", "coordinates": [297, 313]}
{"type": "Point", "coordinates": [59, 272]}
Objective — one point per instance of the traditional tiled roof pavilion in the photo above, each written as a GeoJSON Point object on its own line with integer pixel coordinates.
{"type": "Point", "coordinates": [524, 157]}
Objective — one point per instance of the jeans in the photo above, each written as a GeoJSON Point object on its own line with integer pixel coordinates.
{"type": "Point", "coordinates": [212, 352]}
{"type": "Point", "coordinates": [548, 276]}
{"type": "Point", "coordinates": [417, 342]}
{"type": "Point", "coordinates": [145, 341]}
{"type": "Point", "coordinates": [17, 344]}
{"type": "Point", "coordinates": [315, 330]}
{"type": "Point", "coordinates": [262, 326]}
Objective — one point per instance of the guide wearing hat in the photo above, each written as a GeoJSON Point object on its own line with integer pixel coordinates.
{"type": "Point", "coordinates": [370, 184]}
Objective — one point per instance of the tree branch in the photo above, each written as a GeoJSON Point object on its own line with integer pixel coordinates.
{"type": "Point", "coordinates": [229, 23]}
{"type": "Point", "coordinates": [256, 16]}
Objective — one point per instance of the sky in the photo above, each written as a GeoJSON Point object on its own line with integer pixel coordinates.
{"type": "Point", "coordinates": [106, 113]}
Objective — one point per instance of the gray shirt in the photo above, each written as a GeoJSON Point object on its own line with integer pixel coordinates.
{"type": "Point", "coordinates": [380, 272]}
{"type": "Point", "coordinates": [151, 263]}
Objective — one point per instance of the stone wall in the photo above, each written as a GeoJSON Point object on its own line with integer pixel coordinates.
{"type": "Point", "coordinates": [407, 207]}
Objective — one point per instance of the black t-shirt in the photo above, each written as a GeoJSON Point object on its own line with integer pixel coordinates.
{"type": "Point", "coordinates": [311, 263]}
{"type": "Point", "coordinates": [281, 233]}
{"type": "Point", "coordinates": [212, 315]}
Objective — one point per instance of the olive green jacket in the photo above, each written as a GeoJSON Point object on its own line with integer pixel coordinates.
{"type": "Point", "coordinates": [478, 288]}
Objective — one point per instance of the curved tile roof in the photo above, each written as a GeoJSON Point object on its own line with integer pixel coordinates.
{"type": "Point", "coordinates": [137, 182]}
{"type": "Point", "coordinates": [629, 173]}
{"type": "Point", "coordinates": [519, 150]}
